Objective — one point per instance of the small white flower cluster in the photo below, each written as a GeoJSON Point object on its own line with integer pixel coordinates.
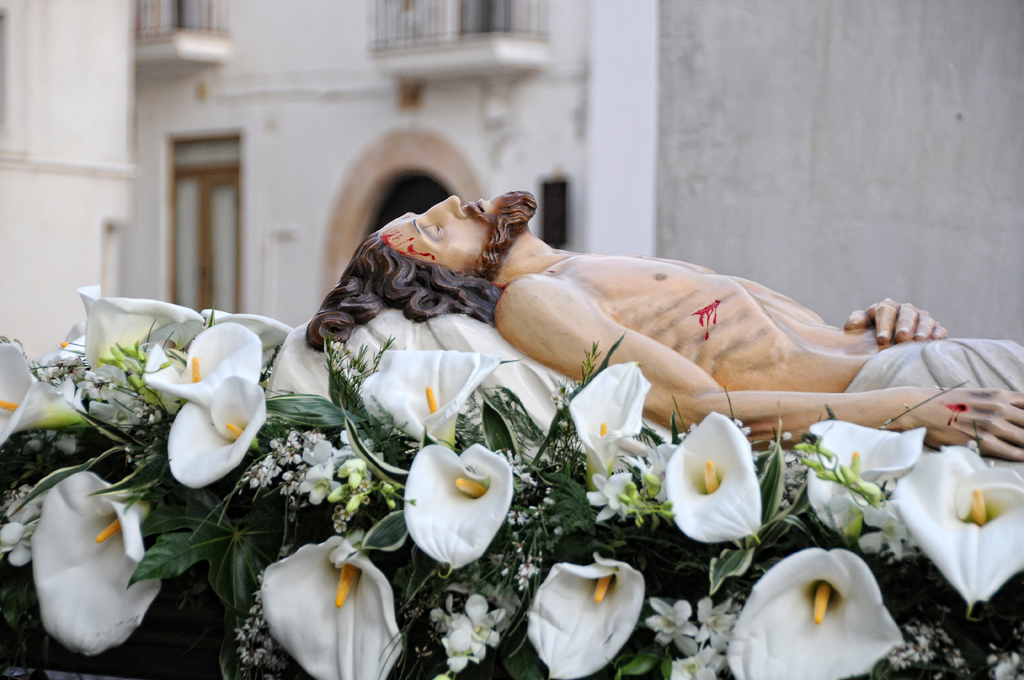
{"type": "Point", "coordinates": [561, 396]}
{"type": "Point", "coordinates": [925, 643]}
{"type": "Point", "coordinates": [16, 532]}
{"type": "Point", "coordinates": [518, 470]}
{"type": "Point", "coordinates": [285, 458]}
{"type": "Point", "coordinates": [703, 643]}
{"type": "Point", "coordinates": [113, 398]}
{"type": "Point", "coordinates": [59, 369]}
{"type": "Point", "coordinates": [466, 635]}
{"type": "Point", "coordinates": [1005, 664]}
{"type": "Point", "coordinates": [739, 424]}
{"type": "Point", "coordinates": [795, 475]}
{"type": "Point", "coordinates": [615, 495]}
{"type": "Point", "coordinates": [257, 651]}
{"type": "Point", "coordinates": [652, 469]}
{"type": "Point", "coordinates": [528, 565]}
{"type": "Point", "coordinates": [892, 537]}
{"type": "Point", "coordinates": [345, 363]}
{"type": "Point", "coordinates": [322, 458]}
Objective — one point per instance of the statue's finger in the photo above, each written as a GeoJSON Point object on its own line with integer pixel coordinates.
{"type": "Point", "coordinates": [857, 321]}
{"type": "Point", "coordinates": [925, 327]}
{"type": "Point", "coordinates": [939, 333]}
{"type": "Point", "coordinates": [885, 316]}
{"type": "Point", "coordinates": [906, 323]}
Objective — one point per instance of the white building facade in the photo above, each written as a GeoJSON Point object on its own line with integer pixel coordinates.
{"type": "Point", "coordinates": [258, 143]}
{"type": "Point", "coordinates": [66, 170]}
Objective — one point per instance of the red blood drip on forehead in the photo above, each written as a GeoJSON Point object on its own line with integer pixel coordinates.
{"type": "Point", "coordinates": [412, 251]}
{"type": "Point", "coordinates": [394, 240]}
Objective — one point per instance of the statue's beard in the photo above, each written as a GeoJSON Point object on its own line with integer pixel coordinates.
{"type": "Point", "coordinates": [513, 212]}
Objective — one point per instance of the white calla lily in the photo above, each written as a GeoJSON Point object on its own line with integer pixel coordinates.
{"type": "Point", "coordinates": [205, 444]}
{"type": "Point", "coordinates": [884, 456]}
{"type": "Point", "coordinates": [28, 404]}
{"type": "Point", "coordinates": [85, 602]}
{"type": "Point", "coordinates": [455, 504]}
{"type": "Point", "coordinates": [357, 639]}
{"type": "Point", "coordinates": [967, 517]}
{"type": "Point", "coordinates": [424, 390]}
{"type": "Point", "coordinates": [125, 321]}
{"type": "Point", "coordinates": [215, 355]}
{"type": "Point", "coordinates": [609, 409]}
{"type": "Point", "coordinates": [816, 615]}
{"type": "Point", "coordinates": [582, 615]}
{"type": "Point", "coordinates": [270, 331]}
{"type": "Point", "coordinates": [715, 454]}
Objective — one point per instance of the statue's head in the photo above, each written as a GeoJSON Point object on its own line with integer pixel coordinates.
{"type": "Point", "coordinates": [440, 262]}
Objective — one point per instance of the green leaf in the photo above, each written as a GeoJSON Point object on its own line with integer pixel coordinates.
{"type": "Point", "coordinates": [57, 476]}
{"type": "Point", "coordinates": [640, 664]}
{"type": "Point", "coordinates": [236, 553]}
{"type": "Point", "coordinates": [145, 477]}
{"type": "Point", "coordinates": [773, 532]}
{"type": "Point", "coordinates": [675, 430]}
{"type": "Point", "coordinates": [388, 473]}
{"type": "Point", "coordinates": [607, 357]}
{"type": "Point", "coordinates": [111, 432]}
{"type": "Point", "coordinates": [229, 648]}
{"type": "Point", "coordinates": [306, 410]}
{"type": "Point", "coordinates": [519, 657]}
{"type": "Point", "coordinates": [772, 485]}
{"type": "Point", "coordinates": [497, 431]}
{"type": "Point", "coordinates": [800, 504]}
{"type": "Point", "coordinates": [666, 668]}
{"type": "Point", "coordinates": [729, 563]}
{"type": "Point", "coordinates": [388, 535]}
{"type": "Point", "coordinates": [17, 595]}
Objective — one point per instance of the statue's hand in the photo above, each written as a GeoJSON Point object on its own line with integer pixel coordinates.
{"type": "Point", "coordinates": [995, 417]}
{"type": "Point", "coordinates": [896, 323]}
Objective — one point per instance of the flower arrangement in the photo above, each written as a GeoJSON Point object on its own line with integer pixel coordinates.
{"type": "Point", "coordinates": [416, 526]}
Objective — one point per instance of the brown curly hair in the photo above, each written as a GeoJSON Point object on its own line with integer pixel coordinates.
{"type": "Point", "coordinates": [379, 277]}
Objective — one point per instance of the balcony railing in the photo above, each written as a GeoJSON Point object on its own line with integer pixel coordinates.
{"type": "Point", "coordinates": [162, 18]}
{"type": "Point", "coordinates": [399, 24]}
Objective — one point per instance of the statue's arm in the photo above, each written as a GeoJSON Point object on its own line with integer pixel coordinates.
{"type": "Point", "coordinates": [553, 323]}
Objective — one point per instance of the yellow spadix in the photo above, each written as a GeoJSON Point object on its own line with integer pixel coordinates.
{"type": "Point", "coordinates": [821, 597]}
{"type": "Point", "coordinates": [710, 477]}
{"type": "Point", "coordinates": [196, 377]}
{"type": "Point", "coordinates": [979, 514]}
{"type": "Point", "coordinates": [602, 587]}
{"type": "Point", "coordinates": [470, 488]}
{"type": "Point", "coordinates": [8, 405]}
{"type": "Point", "coordinates": [111, 529]}
{"type": "Point", "coordinates": [348, 576]}
{"type": "Point", "coordinates": [431, 401]}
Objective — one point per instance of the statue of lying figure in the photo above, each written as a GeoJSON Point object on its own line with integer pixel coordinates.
{"type": "Point", "coordinates": [706, 342]}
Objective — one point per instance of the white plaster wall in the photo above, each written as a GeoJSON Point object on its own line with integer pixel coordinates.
{"type": "Point", "coordinates": [844, 151]}
{"type": "Point", "coordinates": [65, 168]}
{"type": "Point", "coordinates": [308, 100]}
{"type": "Point", "coordinates": [622, 136]}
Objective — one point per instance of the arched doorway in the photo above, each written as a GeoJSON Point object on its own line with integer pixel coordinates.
{"type": "Point", "coordinates": [373, 176]}
{"type": "Point", "coordinates": [408, 193]}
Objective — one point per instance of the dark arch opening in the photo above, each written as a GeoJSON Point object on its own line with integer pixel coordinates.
{"type": "Point", "coordinates": [408, 193]}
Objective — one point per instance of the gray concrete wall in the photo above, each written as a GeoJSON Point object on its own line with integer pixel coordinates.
{"type": "Point", "coordinates": [845, 151]}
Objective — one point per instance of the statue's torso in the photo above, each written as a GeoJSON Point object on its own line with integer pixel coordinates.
{"type": "Point", "coordinates": [753, 338]}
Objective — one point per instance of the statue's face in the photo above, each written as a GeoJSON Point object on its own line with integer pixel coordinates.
{"type": "Point", "coordinates": [448, 234]}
